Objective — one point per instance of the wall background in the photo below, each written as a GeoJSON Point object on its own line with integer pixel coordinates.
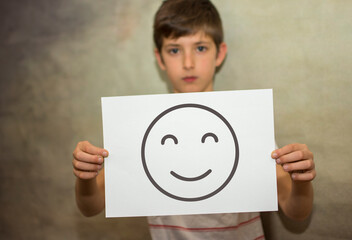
{"type": "Point", "coordinates": [57, 58]}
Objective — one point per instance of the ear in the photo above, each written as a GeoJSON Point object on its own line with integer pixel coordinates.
{"type": "Point", "coordinates": [221, 54]}
{"type": "Point", "coordinates": [159, 59]}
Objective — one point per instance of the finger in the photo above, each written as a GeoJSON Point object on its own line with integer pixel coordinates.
{"type": "Point", "coordinates": [86, 166]}
{"type": "Point", "coordinates": [86, 157]}
{"type": "Point", "coordinates": [306, 176]}
{"type": "Point", "coordinates": [294, 156]}
{"type": "Point", "coordinates": [87, 147]}
{"type": "Point", "coordinates": [288, 149]}
{"type": "Point", "coordinates": [305, 165]}
{"type": "Point", "coordinates": [84, 175]}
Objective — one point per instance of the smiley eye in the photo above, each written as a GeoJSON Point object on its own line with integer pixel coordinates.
{"type": "Point", "coordinates": [169, 136]}
{"type": "Point", "coordinates": [210, 135]}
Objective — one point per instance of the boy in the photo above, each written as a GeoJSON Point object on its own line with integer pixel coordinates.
{"type": "Point", "coordinates": [189, 47]}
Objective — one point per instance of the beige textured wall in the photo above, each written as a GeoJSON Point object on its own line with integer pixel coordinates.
{"type": "Point", "coordinates": [57, 58]}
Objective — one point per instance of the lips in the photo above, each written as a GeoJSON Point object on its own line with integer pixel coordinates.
{"type": "Point", "coordinates": [189, 79]}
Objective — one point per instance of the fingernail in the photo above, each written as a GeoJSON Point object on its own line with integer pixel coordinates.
{"type": "Point", "coordinates": [274, 154]}
{"type": "Point", "coordinates": [100, 160]}
{"type": "Point", "coordinates": [105, 154]}
{"type": "Point", "coordinates": [285, 167]}
{"type": "Point", "coordinates": [278, 161]}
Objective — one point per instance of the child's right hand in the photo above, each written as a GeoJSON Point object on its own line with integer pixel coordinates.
{"type": "Point", "coordinates": [88, 160]}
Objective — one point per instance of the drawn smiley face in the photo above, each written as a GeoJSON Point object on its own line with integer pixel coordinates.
{"type": "Point", "coordinates": [190, 152]}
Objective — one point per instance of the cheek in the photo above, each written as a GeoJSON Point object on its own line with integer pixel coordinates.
{"type": "Point", "coordinates": [172, 76]}
{"type": "Point", "coordinates": [171, 68]}
{"type": "Point", "coordinates": [208, 66]}
{"type": "Point", "coordinates": [207, 61]}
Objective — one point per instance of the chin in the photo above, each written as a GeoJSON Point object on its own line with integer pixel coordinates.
{"type": "Point", "coordinates": [190, 89]}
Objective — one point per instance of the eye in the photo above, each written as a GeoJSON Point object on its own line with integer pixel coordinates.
{"type": "Point", "coordinates": [169, 136]}
{"type": "Point", "coordinates": [173, 50]}
{"type": "Point", "coordinates": [201, 48]}
{"type": "Point", "coordinates": [210, 135]}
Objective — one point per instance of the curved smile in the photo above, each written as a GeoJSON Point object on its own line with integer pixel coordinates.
{"type": "Point", "coordinates": [191, 179]}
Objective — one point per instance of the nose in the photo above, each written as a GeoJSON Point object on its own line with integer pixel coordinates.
{"type": "Point", "coordinates": [188, 61]}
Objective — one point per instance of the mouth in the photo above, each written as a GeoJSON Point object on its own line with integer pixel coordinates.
{"type": "Point", "coordinates": [191, 179]}
{"type": "Point", "coordinates": [189, 79]}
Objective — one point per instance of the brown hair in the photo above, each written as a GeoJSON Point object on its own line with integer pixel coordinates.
{"type": "Point", "coordinates": [177, 18]}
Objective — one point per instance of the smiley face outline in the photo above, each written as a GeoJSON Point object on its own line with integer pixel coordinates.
{"type": "Point", "coordinates": [228, 179]}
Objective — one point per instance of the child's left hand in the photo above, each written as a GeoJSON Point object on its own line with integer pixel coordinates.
{"type": "Point", "coordinates": [297, 160]}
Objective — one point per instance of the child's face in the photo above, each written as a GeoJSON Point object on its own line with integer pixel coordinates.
{"type": "Point", "coordinates": [190, 62]}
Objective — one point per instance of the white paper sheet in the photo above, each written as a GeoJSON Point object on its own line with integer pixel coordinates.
{"type": "Point", "coordinates": [190, 153]}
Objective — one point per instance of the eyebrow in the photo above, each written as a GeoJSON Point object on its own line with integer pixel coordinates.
{"type": "Point", "coordinates": [177, 45]}
{"type": "Point", "coordinates": [202, 42]}
{"type": "Point", "coordinates": [172, 45]}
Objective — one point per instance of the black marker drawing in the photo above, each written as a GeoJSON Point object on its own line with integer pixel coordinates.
{"type": "Point", "coordinates": [169, 136]}
{"type": "Point", "coordinates": [207, 138]}
{"type": "Point", "coordinates": [190, 179]}
{"type": "Point", "coordinates": [210, 135]}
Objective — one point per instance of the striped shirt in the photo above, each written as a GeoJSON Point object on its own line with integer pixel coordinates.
{"type": "Point", "coordinates": [232, 226]}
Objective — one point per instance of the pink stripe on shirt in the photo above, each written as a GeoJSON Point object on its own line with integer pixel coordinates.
{"type": "Point", "coordinates": [208, 229]}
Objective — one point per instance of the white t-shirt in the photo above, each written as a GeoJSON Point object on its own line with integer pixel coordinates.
{"type": "Point", "coordinates": [232, 226]}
